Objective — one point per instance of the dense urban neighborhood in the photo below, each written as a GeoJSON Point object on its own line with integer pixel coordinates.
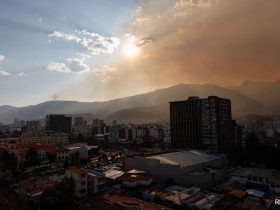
{"type": "Point", "coordinates": [202, 159]}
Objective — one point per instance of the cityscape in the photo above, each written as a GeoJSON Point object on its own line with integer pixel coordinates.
{"type": "Point", "coordinates": [139, 105]}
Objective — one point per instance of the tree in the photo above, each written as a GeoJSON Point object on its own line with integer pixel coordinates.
{"type": "Point", "coordinates": [32, 157]}
{"type": "Point", "coordinates": [51, 158]}
{"type": "Point", "coordinates": [252, 143]}
{"type": "Point", "coordinates": [113, 157]}
{"type": "Point", "coordinates": [169, 182]}
{"type": "Point", "coordinates": [65, 197]}
{"type": "Point", "coordinates": [66, 163]}
{"type": "Point", "coordinates": [10, 162]}
{"type": "Point", "coordinates": [75, 157]}
{"type": "Point", "coordinates": [104, 157]}
{"type": "Point", "coordinates": [80, 137]}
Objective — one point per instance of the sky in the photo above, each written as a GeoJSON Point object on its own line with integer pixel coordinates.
{"type": "Point", "coordinates": [94, 50]}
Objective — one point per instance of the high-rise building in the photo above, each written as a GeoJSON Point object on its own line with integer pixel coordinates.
{"type": "Point", "coordinates": [217, 129]}
{"type": "Point", "coordinates": [202, 124]}
{"type": "Point", "coordinates": [58, 123]}
{"type": "Point", "coordinates": [80, 125]}
{"type": "Point", "coordinates": [185, 122]}
{"type": "Point", "coordinates": [114, 133]}
{"type": "Point", "coordinates": [98, 127]}
{"type": "Point", "coordinates": [33, 126]}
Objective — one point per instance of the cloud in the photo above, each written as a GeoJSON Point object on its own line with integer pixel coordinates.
{"type": "Point", "coordinates": [21, 74]}
{"type": "Point", "coordinates": [2, 58]}
{"type": "Point", "coordinates": [4, 73]}
{"type": "Point", "coordinates": [71, 65]}
{"type": "Point", "coordinates": [97, 44]}
{"type": "Point", "coordinates": [65, 36]}
{"type": "Point", "coordinates": [105, 72]}
{"type": "Point", "coordinates": [144, 41]}
{"type": "Point", "coordinates": [224, 43]}
{"type": "Point", "coordinates": [140, 15]}
{"type": "Point", "coordinates": [92, 42]}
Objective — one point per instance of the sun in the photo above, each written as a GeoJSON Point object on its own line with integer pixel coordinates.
{"type": "Point", "coordinates": [131, 50]}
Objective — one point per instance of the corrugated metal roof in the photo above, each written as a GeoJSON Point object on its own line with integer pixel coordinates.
{"type": "Point", "coordinates": [185, 158]}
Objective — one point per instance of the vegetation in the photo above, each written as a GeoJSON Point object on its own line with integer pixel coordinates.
{"type": "Point", "coordinates": [65, 198]}
{"type": "Point", "coordinates": [256, 153]}
{"type": "Point", "coordinates": [32, 157]}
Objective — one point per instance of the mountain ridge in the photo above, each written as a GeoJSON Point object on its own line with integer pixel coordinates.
{"type": "Point", "coordinates": [148, 106]}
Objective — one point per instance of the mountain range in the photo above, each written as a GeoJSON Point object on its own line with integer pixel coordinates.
{"type": "Point", "coordinates": [249, 98]}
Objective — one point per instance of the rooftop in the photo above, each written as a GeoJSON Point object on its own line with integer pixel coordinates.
{"type": "Point", "coordinates": [127, 202]}
{"type": "Point", "coordinates": [76, 170]}
{"type": "Point", "coordinates": [185, 158]}
{"type": "Point", "coordinates": [113, 174]}
{"type": "Point", "coordinates": [34, 187]}
{"type": "Point", "coordinates": [135, 177]}
{"type": "Point", "coordinates": [273, 176]}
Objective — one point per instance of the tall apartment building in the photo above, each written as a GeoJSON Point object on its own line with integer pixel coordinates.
{"type": "Point", "coordinates": [114, 133]}
{"type": "Point", "coordinates": [186, 123]}
{"type": "Point", "coordinates": [98, 127]}
{"type": "Point", "coordinates": [217, 126]}
{"type": "Point", "coordinates": [202, 124]}
{"type": "Point", "coordinates": [58, 123]}
{"type": "Point", "coordinates": [33, 126]}
{"type": "Point", "coordinates": [80, 125]}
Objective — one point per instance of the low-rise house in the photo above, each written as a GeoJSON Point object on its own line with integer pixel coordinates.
{"type": "Point", "coordinates": [32, 190]}
{"type": "Point", "coordinates": [80, 177]}
{"type": "Point", "coordinates": [258, 178]}
{"type": "Point", "coordinates": [96, 181]}
{"type": "Point", "coordinates": [134, 180]}
{"type": "Point", "coordinates": [239, 199]}
{"type": "Point", "coordinates": [122, 202]}
{"type": "Point", "coordinates": [44, 151]}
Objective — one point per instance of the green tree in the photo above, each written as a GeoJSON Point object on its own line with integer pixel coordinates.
{"type": "Point", "coordinates": [75, 158]}
{"type": "Point", "coordinates": [51, 158]}
{"type": "Point", "coordinates": [9, 161]}
{"type": "Point", "coordinates": [32, 157]}
{"type": "Point", "coordinates": [252, 143]}
{"type": "Point", "coordinates": [104, 157]}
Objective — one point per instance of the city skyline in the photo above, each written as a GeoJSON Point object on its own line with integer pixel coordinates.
{"type": "Point", "coordinates": [139, 104]}
{"type": "Point", "coordinates": [86, 51]}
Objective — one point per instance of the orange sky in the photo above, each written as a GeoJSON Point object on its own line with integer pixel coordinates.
{"type": "Point", "coordinates": [179, 41]}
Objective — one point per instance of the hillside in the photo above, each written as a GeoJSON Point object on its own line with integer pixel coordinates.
{"type": "Point", "coordinates": [147, 107]}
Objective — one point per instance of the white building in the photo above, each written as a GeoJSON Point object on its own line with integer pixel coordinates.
{"type": "Point", "coordinates": [80, 177]}
{"type": "Point", "coordinates": [193, 167]}
{"type": "Point", "coordinates": [96, 181]}
{"type": "Point", "coordinates": [79, 151]}
{"type": "Point", "coordinates": [46, 138]}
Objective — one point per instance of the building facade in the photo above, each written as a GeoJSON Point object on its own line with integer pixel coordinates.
{"type": "Point", "coordinates": [202, 124]}
{"type": "Point", "coordinates": [58, 123]}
